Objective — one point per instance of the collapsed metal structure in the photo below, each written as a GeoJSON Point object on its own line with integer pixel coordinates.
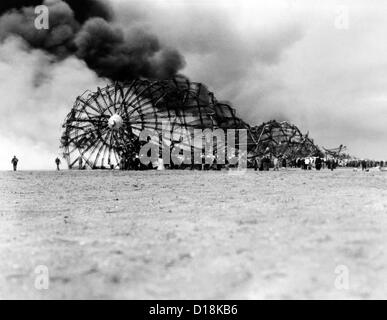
{"type": "Point", "coordinates": [103, 127]}
{"type": "Point", "coordinates": [283, 139]}
{"type": "Point", "coordinates": [336, 152]}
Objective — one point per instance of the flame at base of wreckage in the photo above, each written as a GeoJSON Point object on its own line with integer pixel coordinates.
{"type": "Point", "coordinates": [105, 128]}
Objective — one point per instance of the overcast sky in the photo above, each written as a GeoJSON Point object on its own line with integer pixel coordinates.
{"type": "Point", "coordinates": [321, 65]}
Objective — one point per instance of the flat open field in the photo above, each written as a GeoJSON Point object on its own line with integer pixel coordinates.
{"type": "Point", "coordinates": [193, 234]}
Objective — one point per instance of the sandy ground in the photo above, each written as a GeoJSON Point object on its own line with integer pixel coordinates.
{"type": "Point", "coordinates": [194, 235]}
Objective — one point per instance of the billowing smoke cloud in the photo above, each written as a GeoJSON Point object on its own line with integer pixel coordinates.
{"type": "Point", "coordinates": [85, 29]}
{"type": "Point", "coordinates": [83, 9]}
{"type": "Point", "coordinates": [58, 40]}
{"type": "Point", "coordinates": [236, 48]}
{"type": "Point", "coordinates": [7, 5]}
{"type": "Point", "coordinates": [119, 56]}
{"type": "Point", "coordinates": [36, 95]}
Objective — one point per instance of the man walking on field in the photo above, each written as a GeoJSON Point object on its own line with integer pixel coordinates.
{"type": "Point", "coordinates": [57, 161]}
{"type": "Point", "coordinates": [14, 162]}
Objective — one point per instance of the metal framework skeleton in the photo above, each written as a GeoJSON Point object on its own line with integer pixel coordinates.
{"type": "Point", "coordinates": [282, 139]}
{"type": "Point", "coordinates": [105, 125]}
{"type": "Point", "coordinates": [335, 152]}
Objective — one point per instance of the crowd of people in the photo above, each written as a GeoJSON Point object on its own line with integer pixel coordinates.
{"type": "Point", "coordinates": [208, 163]}
{"type": "Point", "coordinates": [263, 163]}
{"type": "Point", "coordinates": [318, 163]}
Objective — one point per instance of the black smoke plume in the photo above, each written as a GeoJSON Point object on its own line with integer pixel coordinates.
{"type": "Point", "coordinates": [86, 29]}
{"type": "Point", "coordinates": [83, 9]}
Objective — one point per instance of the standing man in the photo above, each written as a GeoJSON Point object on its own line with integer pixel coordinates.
{"type": "Point", "coordinates": [14, 162]}
{"type": "Point", "coordinates": [318, 163]}
{"type": "Point", "coordinates": [284, 162]}
{"type": "Point", "coordinates": [363, 165]}
{"type": "Point", "coordinates": [257, 163]}
{"type": "Point", "coordinates": [57, 161]}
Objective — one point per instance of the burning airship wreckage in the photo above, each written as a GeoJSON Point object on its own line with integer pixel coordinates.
{"type": "Point", "coordinates": [175, 120]}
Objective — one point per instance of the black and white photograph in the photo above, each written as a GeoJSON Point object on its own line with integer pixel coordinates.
{"type": "Point", "coordinates": [180, 150]}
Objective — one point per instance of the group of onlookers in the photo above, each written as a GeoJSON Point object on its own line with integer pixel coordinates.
{"type": "Point", "coordinates": [307, 163]}
{"type": "Point", "coordinates": [263, 163]}
{"type": "Point", "coordinates": [316, 162]}
{"type": "Point", "coordinates": [365, 164]}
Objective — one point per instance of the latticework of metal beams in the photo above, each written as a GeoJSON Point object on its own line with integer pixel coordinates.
{"type": "Point", "coordinates": [336, 152]}
{"type": "Point", "coordinates": [282, 139]}
{"type": "Point", "coordinates": [105, 125]}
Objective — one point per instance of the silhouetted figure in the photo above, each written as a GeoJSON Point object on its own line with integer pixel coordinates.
{"type": "Point", "coordinates": [363, 165]}
{"type": "Point", "coordinates": [284, 162]}
{"type": "Point", "coordinates": [318, 163]}
{"type": "Point", "coordinates": [57, 161]}
{"type": "Point", "coordinates": [80, 163]}
{"type": "Point", "coordinates": [266, 163]}
{"type": "Point", "coordinates": [303, 164]}
{"type": "Point", "coordinates": [329, 164]}
{"type": "Point", "coordinates": [14, 162]}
